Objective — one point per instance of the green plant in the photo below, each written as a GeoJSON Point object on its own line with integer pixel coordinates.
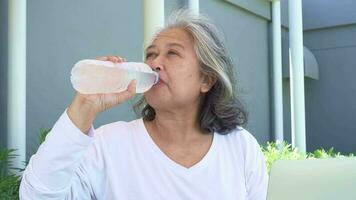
{"type": "Point", "coordinates": [322, 153]}
{"type": "Point", "coordinates": [43, 134]}
{"type": "Point", "coordinates": [9, 180]}
{"type": "Point", "coordinates": [274, 151]}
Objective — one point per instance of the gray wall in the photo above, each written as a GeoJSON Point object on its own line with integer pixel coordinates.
{"type": "Point", "coordinates": [3, 72]}
{"type": "Point", "coordinates": [62, 32]}
{"type": "Point", "coordinates": [331, 106]}
{"type": "Point", "coordinates": [329, 32]}
{"type": "Point", "coordinates": [328, 13]}
{"type": "Point", "coordinates": [247, 41]}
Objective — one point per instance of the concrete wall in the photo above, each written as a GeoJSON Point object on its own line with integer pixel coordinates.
{"type": "Point", "coordinates": [62, 32]}
{"type": "Point", "coordinates": [323, 13]}
{"type": "Point", "coordinates": [329, 32]}
{"type": "Point", "coordinates": [259, 8]}
{"type": "Point", "coordinates": [3, 72]}
{"type": "Point", "coordinates": [331, 103]}
{"type": "Point", "coordinates": [246, 34]}
{"type": "Point", "coordinates": [328, 13]}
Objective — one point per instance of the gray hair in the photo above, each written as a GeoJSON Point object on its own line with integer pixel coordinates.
{"type": "Point", "coordinates": [220, 109]}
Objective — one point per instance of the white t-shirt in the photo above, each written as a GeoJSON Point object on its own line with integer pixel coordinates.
{"type": "Point", "coordinates": [120, 161]}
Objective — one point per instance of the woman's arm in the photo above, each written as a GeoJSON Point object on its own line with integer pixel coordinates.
{"type": "Point", "coordinates": [54, 172]}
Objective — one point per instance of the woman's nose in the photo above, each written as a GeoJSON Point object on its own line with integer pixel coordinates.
{"type": "Point", "coordinates": [157, 68]}
{"type": "Point", "coordinates": [158, 64]}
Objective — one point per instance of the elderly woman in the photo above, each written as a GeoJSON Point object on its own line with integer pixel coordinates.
{"type": "Point", "coordinates": [189, 143]}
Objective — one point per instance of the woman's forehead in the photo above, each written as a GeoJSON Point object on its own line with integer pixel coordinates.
{"type": "Point", "coordinates": [173, 37]}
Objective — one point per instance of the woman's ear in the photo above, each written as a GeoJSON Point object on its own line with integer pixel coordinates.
{"type": "Point", "coordinates": [207, 84]}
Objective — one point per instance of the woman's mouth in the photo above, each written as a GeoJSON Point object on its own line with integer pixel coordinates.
{"type": "Point", "coordinates": [160, 82]}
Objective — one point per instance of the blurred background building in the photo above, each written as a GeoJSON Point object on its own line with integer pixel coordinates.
{"type": "Point", "coordinates": [61, 32]}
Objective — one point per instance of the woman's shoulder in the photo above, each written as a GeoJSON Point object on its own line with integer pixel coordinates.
{"type": "Point", "coordinates": [118, 125]}
{"type": "Point", "coordinates": [240, 140]}
{"type": "Point", "coordinates": [116, 138]}
{"type": "Point", "coordinates": [118, 135]}
{"type": "Point", "coordinates": [239, 135]}
{"type": "Point", "coordinates": [118, 129]}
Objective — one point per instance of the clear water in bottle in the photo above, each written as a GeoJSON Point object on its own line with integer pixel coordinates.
{"type": "Point", "coordinates": [100, 77]}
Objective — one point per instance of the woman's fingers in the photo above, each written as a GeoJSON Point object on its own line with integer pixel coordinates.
{"type": "Point", "coordinates": [103, 58]}
{"type": "Point", "coordinates": [127, 94]}
{"type": "Point", "coordinates": [114, 59]}
{"type": "Point", "coordinates": [132, 86]}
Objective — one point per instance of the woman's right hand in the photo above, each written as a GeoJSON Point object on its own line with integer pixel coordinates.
{"type": "Point", "coordinates": [85, 107]}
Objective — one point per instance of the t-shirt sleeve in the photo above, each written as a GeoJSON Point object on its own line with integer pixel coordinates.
{"type": "Point", "coordinates": [255, 170]}
{"type": "Point", "coordinates": [55, 171]}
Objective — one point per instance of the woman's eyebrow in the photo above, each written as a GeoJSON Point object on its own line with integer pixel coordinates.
{"type": "Point", "coordinates": [168, 45]}
{"type": "Point", "coordinates": [150, 47]}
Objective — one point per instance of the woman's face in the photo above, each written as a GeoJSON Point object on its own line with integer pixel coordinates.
{"type": "Point", "coordinates": [181, 83]}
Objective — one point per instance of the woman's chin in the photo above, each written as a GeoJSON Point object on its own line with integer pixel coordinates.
{"type": "Point", "coordinates": [156, 90]}
{"type": "Point", "coordinates": [155, 99]}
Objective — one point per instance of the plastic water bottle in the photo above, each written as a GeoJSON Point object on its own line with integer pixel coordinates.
{"type": "Point", "coordinates": [100, 77]}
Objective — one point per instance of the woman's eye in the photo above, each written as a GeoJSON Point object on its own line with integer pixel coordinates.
{"type": "Point", "coordinates": [148, 55]}
{"type": "Point", "coordinates": [172, 53]}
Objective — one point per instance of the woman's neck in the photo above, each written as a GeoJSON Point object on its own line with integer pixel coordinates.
{"type": "Point", "coordinates": [176, 126]}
